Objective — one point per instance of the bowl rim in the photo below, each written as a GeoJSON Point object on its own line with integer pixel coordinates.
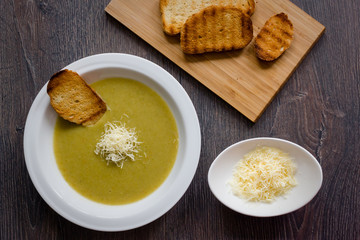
{"type": "Point", "coordinates": [186, 166]}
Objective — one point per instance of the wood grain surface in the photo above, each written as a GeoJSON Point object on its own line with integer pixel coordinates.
{"type": "Point", "coordinates": [239, 77]}
{"type": "Point", "coordinates": [318, 108]}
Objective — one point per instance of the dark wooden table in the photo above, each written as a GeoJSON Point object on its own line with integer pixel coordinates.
{"type": "Point", "coordinates": [318, 108]}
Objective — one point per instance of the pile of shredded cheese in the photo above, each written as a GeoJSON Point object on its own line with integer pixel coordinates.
{"type": "Point", "coordinates": [117, 144]}
{"type": "Point", "coordinates": [263, 174]}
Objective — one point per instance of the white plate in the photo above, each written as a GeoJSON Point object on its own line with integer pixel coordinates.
{"type": "Point", "coordinates": [43, 170]}
{"type": "Point", "coordinates": [308, 176]}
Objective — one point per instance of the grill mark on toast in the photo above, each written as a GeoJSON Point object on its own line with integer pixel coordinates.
{"type": "Point", "coordinates": [273, 35]}
{"type": "Point", "coordinates": [243, 27]}
{"type": "Point", "coordinates": [285, 32]}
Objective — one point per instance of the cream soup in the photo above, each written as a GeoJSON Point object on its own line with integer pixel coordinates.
{"type": "Point", "coordinates": [139, 107]}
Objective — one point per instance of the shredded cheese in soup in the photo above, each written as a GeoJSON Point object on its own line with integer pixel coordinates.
{"type": "Point", "coordinates": [117, 144]}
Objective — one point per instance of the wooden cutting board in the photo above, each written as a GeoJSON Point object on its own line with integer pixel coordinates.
{"type": "Point", "coordinates": [238, 77]}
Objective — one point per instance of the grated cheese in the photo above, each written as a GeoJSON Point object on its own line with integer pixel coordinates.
{"type": "Point", "coordinates": [117, 144]}
{"type": "Point", "coordinates": [263, 174]}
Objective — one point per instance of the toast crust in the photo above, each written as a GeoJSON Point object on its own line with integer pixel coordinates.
{"type": "Point", "coordinates": [215, 29]}
{"type": "Point", "coordinates": [73, 99]}
{"type": "Point", "coordinates": [174, 13]}
{"type": "Point", "coordinates": [274, 38]}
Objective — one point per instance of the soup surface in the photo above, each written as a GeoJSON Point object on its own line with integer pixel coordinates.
{"type": "Point", "coordinates": [137, 106]}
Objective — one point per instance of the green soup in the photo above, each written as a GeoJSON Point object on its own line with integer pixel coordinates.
{"type": "Point", "coordinates": [139, 107]}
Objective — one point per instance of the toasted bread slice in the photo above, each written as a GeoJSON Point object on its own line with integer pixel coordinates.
{"type": "Point", "coordinates": [215, 29]}
{"type": "Point", "coordinates": [174, 13]}
{"type": "Point", "coordinates": [73, 99]}
{"type": "Point", "coordinates": [274, 38]}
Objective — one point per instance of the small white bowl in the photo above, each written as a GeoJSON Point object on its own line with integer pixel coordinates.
{"type": "Point", "coordinates": [43, 170]}
{"type": "Point", "coordinates": [308, 176]}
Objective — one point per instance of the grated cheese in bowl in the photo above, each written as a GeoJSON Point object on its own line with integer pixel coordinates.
{"type": "Point", "coordinates": [117, 144]}
{"type": "Point", "coordinates": [263, 174]}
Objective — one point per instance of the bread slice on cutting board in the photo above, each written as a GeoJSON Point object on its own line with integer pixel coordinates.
{"type": "Point", "coordinates": [73, 99]}
{"type": "Point", "coordinates": [274, 38]}
{"type": "Point", "coordinates": [174, 13]}
{"type": "Point", "coordinates": [215, 29]}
